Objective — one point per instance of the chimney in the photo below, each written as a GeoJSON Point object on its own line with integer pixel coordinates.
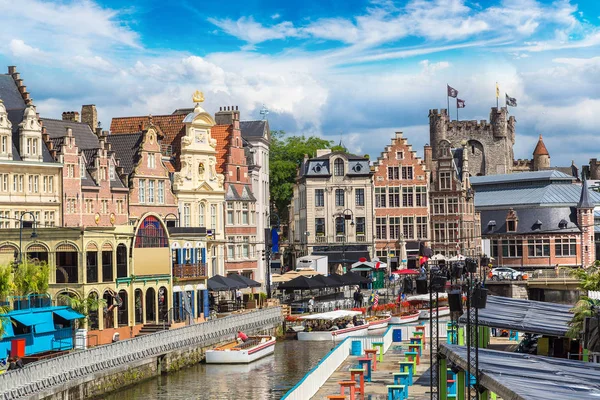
{"type": "Point", "coordinates": [227, 115]}
{"type": "Point", "coordinates": [89, 116]}
{"type": "Point", "coordinates": [12, 69]}
{"type": "Point", "coordinates": [323, 152]}
{"type": "Point", "coordinates": [70, 116]}
{"type": "Point", "coordinates": [428, 153]}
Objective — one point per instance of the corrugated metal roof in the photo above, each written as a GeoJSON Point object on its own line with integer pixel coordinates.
{"type": "Point", "coordinates": [559, 194]}
{"type": "Point", "coordinates": [520, 177]}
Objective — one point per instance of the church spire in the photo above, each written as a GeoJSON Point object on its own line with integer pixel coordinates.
{"type": "Point", "coordinates": [584, 199]}
{"type": "Point", "coordinates": [540, 148]}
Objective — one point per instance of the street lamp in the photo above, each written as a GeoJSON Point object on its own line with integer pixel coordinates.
{"type": "Point", "coordinates": [33, 234]}
{"type": "Point", "coordinates": [344, 214]}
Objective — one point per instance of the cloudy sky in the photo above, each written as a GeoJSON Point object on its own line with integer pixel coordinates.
{"type": "Point", "coordinates": [355, 69]}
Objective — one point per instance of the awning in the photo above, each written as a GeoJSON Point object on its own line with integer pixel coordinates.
{"type": "Point", "coordinates": [241, 278]}
{"type": "Point", "coordinates": [362, 269]}
{"type": "Point", "coordinates": [525, 316]}
{"type": "Point", "coordinates": [68, 314]}
{"type": "Point", "coordinates": [27, 319]}
{"type": "Point", "coordinates": [41, 322]}
{"type": "Point", "coordinates": [349, 256]}
{"type": "Point", "coordinates": [525, 376]}
{"type": "Point", "coordinates": [177, 289]}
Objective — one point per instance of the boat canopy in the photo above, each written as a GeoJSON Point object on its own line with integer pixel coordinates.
{"type": "Point", "coordinates": [332, 315]}
{"type": "Point", "coordinates": [425, 297]}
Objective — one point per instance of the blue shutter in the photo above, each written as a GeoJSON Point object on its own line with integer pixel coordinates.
{"type": "Point", "coordinates": [192, 304]}
{"type": "Point", "coordinates": [203, 255]}
{"type": "Point", "coordinates": [206, 306]}
{"type": "Point", "coordinates": [179, 256]}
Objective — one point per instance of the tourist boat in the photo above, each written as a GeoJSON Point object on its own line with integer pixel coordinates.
{"type": "Point", "coordinates": [331, 318]}
{"type": "Point", "coordinates": [405, 318]}
{"type": "Point", "coordinates": [421, 302]}
{"type": "Point", "coordinates": [242, 353]}
{"type": "Point", "coordinates": [379, 322]}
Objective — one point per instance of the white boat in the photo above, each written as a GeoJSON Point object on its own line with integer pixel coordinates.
{"type": "Point", "coordinates": [441, 311]}
{"type": "Point", "coordinates": [405, 319]}
{"type": "Point", "coordinates": [382, 322]}
{"type": "Point", "coordinates": [335, 335]}
{"type": "Point", "coordinates": [242, 353]}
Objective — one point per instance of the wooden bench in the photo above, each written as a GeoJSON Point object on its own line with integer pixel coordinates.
{"type": "Point", "coordinates": [361, 363]}
{"type": "Point", "coordinates": [397, 392]}
{"type": "Point", "coordinates": [408, 366]}
{"type": "Point", "coordinates": [401, 378]}
{"type": "Point", "coordinates": [361, 379]}
{"type": "Point", "coordinates": [351, 385]}
{"type": "Point", "coordinates": [380, 346]}
{"type": "Point", "coordinates": [373, 353]}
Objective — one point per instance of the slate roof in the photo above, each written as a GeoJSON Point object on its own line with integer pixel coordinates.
{"type": "Point", "coordinates": [9, 93]}
{"type": "Point", "coordinates": [349, 156]}
{"type": "Point", "coordinates": [231, 193]}
{"type": "Point", "coordinates": [126, 148]}
{"type": "Point", "coordinates": [550, 195]}
{"type": "Point", "coordinates": [254, 129]}
{"type": "Point", "coordinates": [547, 175]}
{"type": "Point", "coordinates": [84, 137]}
{"type": "Point", "coordinates": [550, 217]}
{"type": "Point", "coordinates": [584, 198]}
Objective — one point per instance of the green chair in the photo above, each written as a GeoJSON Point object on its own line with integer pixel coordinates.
{"type": "Point", "coordinates": [380, 346]}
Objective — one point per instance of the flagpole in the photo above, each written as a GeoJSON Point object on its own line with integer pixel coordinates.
{"type": "Point", "coordinates": [448, 98]}
{"type": "Point", "coordinates": [497, 94]}
{"type": "Point", "coordinates": [457, 111]}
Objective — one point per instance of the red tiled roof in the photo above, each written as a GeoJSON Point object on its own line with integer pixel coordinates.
{"type": "Point", "coordinates": [220, 133]}
{"type": "Point", "coordinates": [170, 166]}
{"type": "Point", "coordinates": [171, 125]}
{"type": "Point", "coordinates": [540, 148]}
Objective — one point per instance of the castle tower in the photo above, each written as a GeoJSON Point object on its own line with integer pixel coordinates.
{"type": "Point", "coordinates": [585, 220]}
{"type": "Point", "coordinates": [438, 126]}
{"type": "Point", "coordinates": [541, 157]}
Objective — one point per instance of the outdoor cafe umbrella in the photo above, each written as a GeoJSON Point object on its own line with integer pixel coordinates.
{"type": "Point", "coordinates": [301, 283]}
{"type": "Point", "coordinates": [241, 278]}
{"type": "Point", "coordinates": [326, 281]}
{"type": "Point", "coordinates": [216, 286]}
{"type": "Point", "coordinates": [406, 272]}
{"type": "Point", "coordinates": [354, 279]}
{"type": "Point", "coordinates": [337, 278]}
{"type": "Point", "coordinates": [228, 282]}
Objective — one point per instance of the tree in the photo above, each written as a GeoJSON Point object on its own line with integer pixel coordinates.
{"type": "Point", "coordinates": [31, 277]}
{"type": "Point", "coordinates": [285, 157]}
{"type": "Point", "coordinates": [83, 307]}
{"type": "Point", "coordinates": [6, 281]}
{"type": "Point", "coordinates": [589, 280]}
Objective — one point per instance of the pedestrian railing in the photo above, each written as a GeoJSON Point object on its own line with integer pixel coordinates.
{"type": "Point", "coordinates": [43, 375]}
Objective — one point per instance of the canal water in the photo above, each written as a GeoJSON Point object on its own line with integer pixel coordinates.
{"type": "Point", "coordinates": [266, 379]}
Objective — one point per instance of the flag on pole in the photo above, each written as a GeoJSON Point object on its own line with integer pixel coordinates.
{"type": "Point", "coordinates": [460, 103]}
{"type": "Point", "coordinates": [376, 299]}
{"type": "Point", "coordinates": [511, 101]}
{"type": "Point", "coordinates": [451, 91]}
{"type": "Point", "coordinates": [497, 90]}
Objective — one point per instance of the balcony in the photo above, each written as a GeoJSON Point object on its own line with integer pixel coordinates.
{"type": "Point", "coordinates": [321, 239]}
{"type": "Point", "coordinates": [361, 238]}
{"type": "Point", "coordinates": [340, 239]}
{"type": "Point", "coordinates": [189, 271]}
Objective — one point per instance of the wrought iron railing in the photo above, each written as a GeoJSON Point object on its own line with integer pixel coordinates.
{"type": "Point", "coordinates": [189, 270]}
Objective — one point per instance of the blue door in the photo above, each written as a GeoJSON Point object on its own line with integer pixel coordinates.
{"type": "Point", "coordinates": [206, 305]}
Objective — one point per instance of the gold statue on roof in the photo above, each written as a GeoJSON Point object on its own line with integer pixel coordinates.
{"type": "Point", "coordinates": [198, 97]}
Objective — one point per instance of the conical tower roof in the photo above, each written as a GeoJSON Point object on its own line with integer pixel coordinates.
{"type": "Point", "coordinates": [540, 148]}
{"type": "Point", "coordinates": [584, 199]}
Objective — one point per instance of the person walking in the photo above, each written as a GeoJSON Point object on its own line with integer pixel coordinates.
{"type": "Point", "coordinates": [311, 304]}
{"type": "Point", "coordinates": [238, 298]}
{"type": "Point", "coordinates": [357, 298]}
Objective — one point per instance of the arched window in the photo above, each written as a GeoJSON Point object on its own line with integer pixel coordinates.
{"type": "Point", "coordinates": [338, 167]}
{"type": "Point", "coordinates": [151, 234]}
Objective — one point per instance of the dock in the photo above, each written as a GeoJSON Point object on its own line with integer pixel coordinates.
{"type": "Point", "coordinates": [377, 388]}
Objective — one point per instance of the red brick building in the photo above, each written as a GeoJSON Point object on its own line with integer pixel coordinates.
{"type": "Point", "coordinates": [401, 209]}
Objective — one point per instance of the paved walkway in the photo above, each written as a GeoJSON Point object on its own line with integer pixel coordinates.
{"type": "Point", "coordinates": [377, 388]}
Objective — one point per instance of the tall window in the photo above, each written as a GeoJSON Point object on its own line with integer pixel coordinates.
{"type": "Point", "coordinates": [539, 248]}
{"type": "Point", "coordinates": [150, 191]}
{"type": "Point", "coordinates": [319, 198]}
{"type": "Point", "coordinates": [213, 216]}
{"type": "Point", "coordinates": [380, 228]}
{"type": "Point", "coordinates": [320, 226]}
{"type": "Point", "coordinates": [407, 172]}
{"type": "Point", "coordinates": [565, 247]}
{"type": "Point", "coordinates": [186, 214]}
{"type": "Point", "coordinates": [452, 205]}
{"type": "Point", "coordinates": [142, 190]}
{"type": "Point", "coordinates": [360, 197]}
{"type": "Point", "coordinates": [445, 181]}
{"type": "Point", "coordinates": [393, 173]}
{"type": "Point", "coordinates": [29, 146]}
{"type": "Point", "coordinates": [36, 183]}
{"type": "Point", "coordinates": [380, 200]}
{"type": "Point", "coordinates": [15, 185]}
{"type": "Point", "coordinates": [512, 248]}
{"type": "Point", "coordinates": [408, 227]}
{"type": "Point", "coordinates": [4, 144]}
{"type": "Point", "coordinates": [111, 172]}
{"type": "Point", "coordinates": [151, 160]}
{"type": "Point", "coordinates": [81, 168]}
{"type": "Point", "coordinates": [407, 196]}
{"type": "Point", "coordinates": [338, 167]}
{"type": "Point", "coordinates": [161, 192]}
{"type": "Point", "coordinates": [439, 232]}
{"type": "Point", "coordinates": [421, 227]}
{"type": "Point", "coordinates": [201, 212]}
{"type": "Point", "coordinates": [340, 226]}
{"type": "Point", "coordinates": [238, 174]}
{"type": "Point", "coordinates": [21, 178]}
{"type": "Point", "coordinates": [439, 206]}
{"type": "Point", "coordinates": [395, 227]}
{"type": "Point", "coordinates": [230, 213]}
{"type": "Point", "coordinates": [339, 197]}
{"type": "Point", "coordinates": [245, 213]}
{"type": "Point", "coordinates": [421, 196]}
{"type": "Point", "coordinates": [50, 184]}
{"type": "Point", "coordinates": [30, 183]}
{"type": "Point", "coordinates": [394, 197]}
{"type": "Point", "coordinates": [360, 225]}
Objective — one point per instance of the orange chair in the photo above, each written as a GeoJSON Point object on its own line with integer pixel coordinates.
{"type": "Point", "coordinates": [361, 379]}
{"type": "Point", "coordinates": [351, 385]}
{"type": "Point", "coordinates": [368, 353]}
{"type": "Point", "coordinates": [336, 397]}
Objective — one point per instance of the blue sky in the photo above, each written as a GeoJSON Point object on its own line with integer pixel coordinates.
{"type": "Point", "coordinates": [359, 70]}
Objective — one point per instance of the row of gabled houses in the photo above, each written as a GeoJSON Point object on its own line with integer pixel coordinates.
{"type": "Point", "coordinates": [141, 215]}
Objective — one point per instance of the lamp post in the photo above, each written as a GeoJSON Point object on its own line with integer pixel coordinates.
{"type": "Point", "coordinates": [33, 234]}
{"type": "Point", "coordinates": [344, 214]}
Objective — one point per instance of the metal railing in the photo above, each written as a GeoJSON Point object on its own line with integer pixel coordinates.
{"type": "Point", "coordinates": [41, 376]}
{"type": "Point", "coordinates": [189, 270]}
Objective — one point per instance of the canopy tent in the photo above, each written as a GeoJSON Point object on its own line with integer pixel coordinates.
{"type": "Point", "coordinates": [527, 377]}
{"type": "Point", "coordinates": [406, 272]}
{"type": "Point", "coordinates": [247, 281]}
{"type": "Point", "coordinates": [367, 265]}
{"type": "Point", "coordinates": [308, 272]}
{"type": "Point", "coordinates": [326, 281]}
{"type": "Point", "coordinates": [278, 279]}
{"type": "Point", "coordinates": [525, 316]}
{"type": "Point", "coordinates": [332, 315]}
{"type": "Point", "coordinates": [438, 257]}
{"type": "Point", "coordinates": [354, 279]}
{"type": "Point", "coordinates": [300, 283]}
{"type": "Point", "coordinates": [458, 257]}
{"type": "Point", "coordinates": [221, 283]}
{"type": "Point", "coordinates": [337, 278]}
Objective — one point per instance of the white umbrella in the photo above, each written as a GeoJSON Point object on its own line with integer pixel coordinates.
{"type": "Point", "coordinates": [438, 257]}
{"type": "Point", "coordinates": [458, 257]}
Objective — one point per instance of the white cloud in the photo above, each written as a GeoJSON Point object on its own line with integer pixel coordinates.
{"type": "Point", "coordinates": [95, 62]}
{"type": "Point", "coordinates": [275, 16]}
{"type": "Point", "coordinates": [20, 49]}
{"type": "Point", "coordinates": [432, 68]}
{"type": "Point", "coordinates": [247, 29]}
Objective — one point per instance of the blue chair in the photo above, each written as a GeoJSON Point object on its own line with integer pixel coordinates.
{"type": "Point", "coordinates": [397, 392]}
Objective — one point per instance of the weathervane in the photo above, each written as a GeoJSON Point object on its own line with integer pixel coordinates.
{"type": "Point", "coordinates": [264, 111]}
{"type": "Point", "coordinates": [198, 97]}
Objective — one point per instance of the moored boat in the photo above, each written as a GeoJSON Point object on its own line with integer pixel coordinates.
{"type": "Point", "coordinates": [379, 322]}
{"type": "Point", "coordinates": [405, 318]}
{"type": "Point", "coordinates": [332, 325]}
{"type": "Point", "coordinates": [242, 353]}
{"type": "Point", "coordinates": [421, 302]}
{"type": "Point", "coordinates": [441, 311]}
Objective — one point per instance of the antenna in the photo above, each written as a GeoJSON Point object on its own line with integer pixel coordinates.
{"type": "Point", "coordinates": [264, 111]}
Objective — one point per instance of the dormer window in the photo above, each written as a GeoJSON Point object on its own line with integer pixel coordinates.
{"type": "Point", "coordinates": [537, 225]}
{"type": "Point", "coordinates": [338, 167]}
{"type": "Point", "coordinates": [491, 225]}
{"type": "Point", "coordinates": [511, 221]}
{"type": "Point", "coordinates": [29, 146]}
{"type": "Point", "coordinates": [563, 224]}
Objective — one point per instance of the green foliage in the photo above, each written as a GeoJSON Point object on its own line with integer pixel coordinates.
{"type": "Point", "coordinates": [6, 281]}
{"type": "Point", "coordinates": [589, 280]}
{"type": "Point", "coordinates": [30, 277]}
{"type": "Point", "coordinates": [84, 307]}
{"type": "Point", "coordinates": [285, 157]}
{"type": "Point", "coordinates": [3, 320]}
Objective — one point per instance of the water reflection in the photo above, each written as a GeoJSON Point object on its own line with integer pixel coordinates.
{"type": "Point", "coordinates": [266, 379]}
